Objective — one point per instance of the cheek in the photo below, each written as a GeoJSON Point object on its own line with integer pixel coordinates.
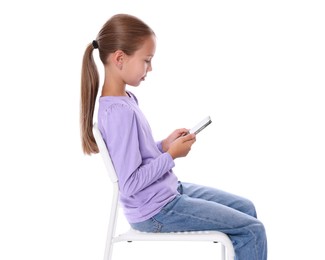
{"type": "Point", "coordinates": [142, 69]}
{"type": "Point", "coordinates": [133, 75]}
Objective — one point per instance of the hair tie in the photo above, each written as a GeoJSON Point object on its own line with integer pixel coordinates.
{"type": "Point", "coordinates": [95, 44]}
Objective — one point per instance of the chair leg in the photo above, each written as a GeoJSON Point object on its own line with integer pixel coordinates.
{"type": "Point", "coordinates": [112, 225]}
{"type": "Point", "coordinates": [223, 252]}
{"type": "Point", "coordinates": [108, 251]}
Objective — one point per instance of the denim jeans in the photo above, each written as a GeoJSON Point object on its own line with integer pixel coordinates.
{"type": "Point", "coordinates": [203, 208]}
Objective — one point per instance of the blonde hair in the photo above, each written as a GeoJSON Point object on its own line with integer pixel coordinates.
{"type": "Point", "coordinates": [121, 32]}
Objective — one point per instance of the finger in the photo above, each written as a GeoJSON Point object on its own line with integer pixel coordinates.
{"type": "Point", "coordinates": [183, 131]}
{"type": "Point", "coordinates": [189, 137]}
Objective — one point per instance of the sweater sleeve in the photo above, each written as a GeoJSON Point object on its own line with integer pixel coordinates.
{"type": "Point", "coordinates": [159, 146]}
{"type": "Point", "coordinates": [121, 132]}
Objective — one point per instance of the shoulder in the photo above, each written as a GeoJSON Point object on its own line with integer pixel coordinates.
{"type": "Point", "coordinates": [117, 112]}
{"type": "Point", "coordinates": [116, 118]}
{"type": "Point", "coordinates": [114, 105]}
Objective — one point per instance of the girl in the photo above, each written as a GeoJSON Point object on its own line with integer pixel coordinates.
{"type": "Point", "coordinates": [152, 197]}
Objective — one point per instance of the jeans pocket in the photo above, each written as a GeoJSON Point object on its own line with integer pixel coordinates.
{"type": "Point", "coordinates": [151, 225]}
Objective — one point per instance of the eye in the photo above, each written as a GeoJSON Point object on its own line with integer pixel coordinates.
{"type": "Point", "coordinates": [148, 59]}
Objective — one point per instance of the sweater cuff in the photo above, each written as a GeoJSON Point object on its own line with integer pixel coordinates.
{"type": "Point", "coordinates": [170, 160]}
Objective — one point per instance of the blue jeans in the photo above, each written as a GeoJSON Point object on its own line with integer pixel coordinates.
{"type": "Point", "coordinates": [203, 208]}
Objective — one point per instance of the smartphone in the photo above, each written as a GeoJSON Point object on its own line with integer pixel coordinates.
{"type": "Point", "coordinates": [201, 125]}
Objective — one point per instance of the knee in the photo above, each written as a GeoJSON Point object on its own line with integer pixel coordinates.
{"type": "Point", "coordinates": [249, 208]}
{"type": "Point", "coordinates": [252, 233]}
{"type": "Point", "coordinates": [257, 230]}
{"type": "Point", "coordinates": [260, 233]}
{"type": "Point", "coordinates": [261, 229]}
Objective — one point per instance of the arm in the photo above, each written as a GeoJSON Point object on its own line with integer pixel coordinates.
{"type": "Point", "coordinates": [134, 172]}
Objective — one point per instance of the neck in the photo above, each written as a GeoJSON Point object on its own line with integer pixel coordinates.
{"type": "Point", "coordinates": [109, 92]}
{"type": "Point", "coordinates": [114, 89]}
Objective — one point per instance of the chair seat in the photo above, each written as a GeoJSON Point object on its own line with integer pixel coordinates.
{"type": "Point", "coordinates": [134, 235]}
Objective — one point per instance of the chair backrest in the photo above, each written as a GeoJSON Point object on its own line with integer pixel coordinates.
{"type": "Point", "coordinates": [105, 154]}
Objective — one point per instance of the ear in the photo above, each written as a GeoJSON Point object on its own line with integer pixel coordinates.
{"type": "Point", "coordinates": [118, 58]}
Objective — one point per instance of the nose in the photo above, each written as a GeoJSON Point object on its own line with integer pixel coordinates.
{"type": "Point", "coordinates": [149, 67]}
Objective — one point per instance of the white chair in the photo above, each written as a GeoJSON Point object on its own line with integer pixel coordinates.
{"type": "Point", "coordinates": [227, 249]}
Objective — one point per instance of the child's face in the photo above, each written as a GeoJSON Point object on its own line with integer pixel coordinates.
{"type": "Point", "coordinates": [136, 66]}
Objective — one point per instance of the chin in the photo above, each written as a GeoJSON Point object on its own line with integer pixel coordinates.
{"type": "Point", "coordinates": [138, 84]}
{"type": "Point", "coordinates": [134, 85]}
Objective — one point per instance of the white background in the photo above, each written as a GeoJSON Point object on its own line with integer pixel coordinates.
{"type": "Point", "coordinates": [256, 67]}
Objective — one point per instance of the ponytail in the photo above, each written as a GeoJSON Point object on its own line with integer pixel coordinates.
{"type": "Point", "coordinates": [89, 90]}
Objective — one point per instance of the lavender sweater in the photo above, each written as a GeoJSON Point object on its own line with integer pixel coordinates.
{"type": "Point", "coordinates": [146, 179]}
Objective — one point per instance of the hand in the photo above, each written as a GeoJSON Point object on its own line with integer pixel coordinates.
{"type": "Point", "coordinates": [172, 137]}
{"type": "Point", "coordinates": [181, 146]}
